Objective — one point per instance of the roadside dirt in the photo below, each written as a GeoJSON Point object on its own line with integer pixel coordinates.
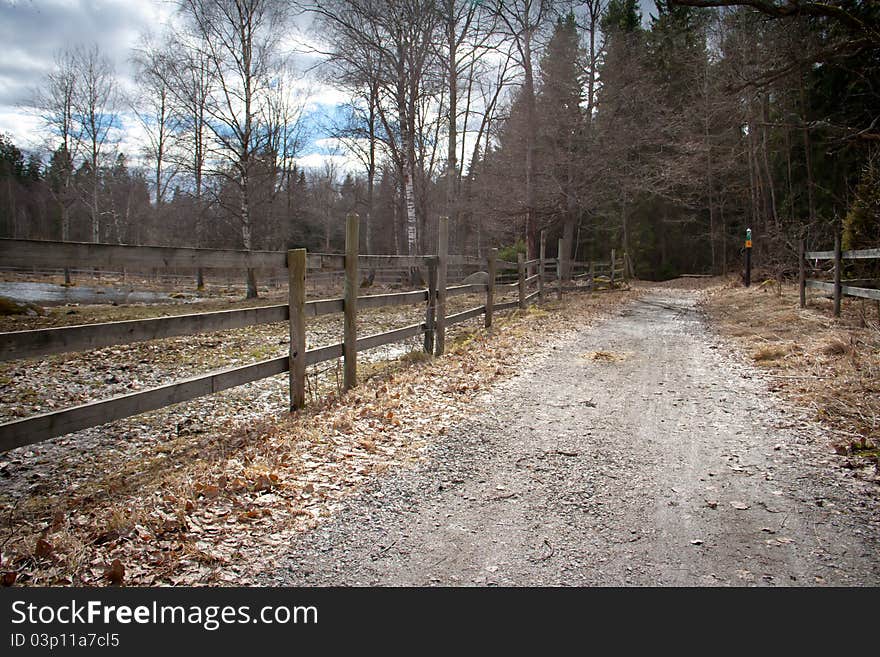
{"type": "Point", "coordinates": [639, 451]}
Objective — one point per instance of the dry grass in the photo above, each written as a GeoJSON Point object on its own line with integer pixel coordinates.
{"type": "Point", "coordinates": [765, 354]}
{"type": "Point", "coordinates": [828, 365]}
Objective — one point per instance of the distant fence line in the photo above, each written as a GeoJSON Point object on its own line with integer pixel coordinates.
{"type": "Point", "coordinates": [297, 262]}
{"type": "Point", "coordinates": [837, 288]}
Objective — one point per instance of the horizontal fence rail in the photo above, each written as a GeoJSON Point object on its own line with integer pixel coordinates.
{"type": "Point", "coordinates": [838, 288]}
{"type": "Point", "coordinates": [44, 342]}
{"type": "Point", "coordinates": [847, 290]}
{"type": "Point", "coordinates": [44, 253]}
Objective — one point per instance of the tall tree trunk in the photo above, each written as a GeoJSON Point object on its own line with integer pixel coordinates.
{"type": "Point", "coordinates": [808, 156]}
{"type": "Point", "coordinates": [371, 169]}
{"type": "Point", "coordinates": [246, 234]}
{"type": "Point", "coordinates": [452, 151]}
{"type": "Point", "coordinates": [765, 156]}
{"type": "Point", "coordinates": [531, 133]}
{"type": "Point", "coordinates": [568, 244]}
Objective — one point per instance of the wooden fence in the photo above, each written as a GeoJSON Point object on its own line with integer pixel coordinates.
{"type": "Point", "coordinates": [43, 342]}
{"type": "Point", "coordinates": [838, 288]}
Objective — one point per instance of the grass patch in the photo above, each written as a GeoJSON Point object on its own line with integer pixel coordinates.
{"type": "Point", "coordinates": [837, 347]}
{"type": "Point", "coordinates": [771, 353]}
{"type": "Point", "coordinates": [828, 365]}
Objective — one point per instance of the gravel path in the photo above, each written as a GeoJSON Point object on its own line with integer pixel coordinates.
{"type": "Point", "coordinates": [638, 453]}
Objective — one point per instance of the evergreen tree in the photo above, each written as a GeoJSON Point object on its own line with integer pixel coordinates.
{"type": "Point", "coordinates": [561, 137]}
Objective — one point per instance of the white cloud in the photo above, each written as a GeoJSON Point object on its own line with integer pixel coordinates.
{"type": "Point", "coordinates": [24, 127]}
{"type": "Point", "coordinates": [316, 161]}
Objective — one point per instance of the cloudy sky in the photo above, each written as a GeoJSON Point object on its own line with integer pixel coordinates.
{"type": "Point", "coordinates": [33, 31]}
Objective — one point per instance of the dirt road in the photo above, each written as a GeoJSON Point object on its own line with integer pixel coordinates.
{"type": "Point", "coordinates": [638, 453]}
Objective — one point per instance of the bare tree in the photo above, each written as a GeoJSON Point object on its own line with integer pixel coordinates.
{"type": "Point", "coordinates": [95, 104]}
{"type": "Point", "coordinates": [396, 38]}
{"type": "Point", "coordinates": [238, 39]}
{"type": "Point", "coordinates": [523, 20]}
{"type": "Point", "coordinates": [55, 101]}
{"type": "Point", "coordinates": [155, 108]}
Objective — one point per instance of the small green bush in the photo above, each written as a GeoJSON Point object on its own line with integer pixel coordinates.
{"type": "Point", "coordinates": [508, 253]}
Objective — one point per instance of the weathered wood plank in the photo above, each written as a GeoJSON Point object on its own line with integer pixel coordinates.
{"type": "Point", "coordinates": [560, 258]}
{"type": "Point", "coordinates": [325, 261]}
{"type": "Point", "coordinates": [505, 305]}
{"type": "Point", "coordinates": [848, 290]}
{"type": "Point", "coordinates": [325, 353]}
{"type": "Point", "coordinates": [521, 282]}
{"type": "Point", "coordinates": [352, 223]}
{"type": "Point", "coordinates": [442, 266]}
{"type": "Point", "coordinates": [532, 279]}
{"type": "Point", "coordinates": [802, 275]}
{"type": "Point", "coordinates": [83, 337]}
{"type": "Point", "coordinates": [490, 289]}
{"type": "Point", "coordinates": [430, 309]}
{"type": "Point", "coordinates": [27, 253]}
{"type": "Point", "coordinates": [857, 254]}
{"type": "Point", "coordinates": [475, 288]}
{"type": "Point", "coordinates": [465, 315]}
{"type": "Point", "coordinates": [862, 292]}
{"type": "Point", "coordinates": [296, 268]}
{"type": "Point", "coordinates": [323, 307]}
{"type": "Point", "coordinates": [532, 296]}
{"type": "Point", "coordinates": [379, 339]}
{"type": "Point", "coordinates": [542, 263]}
{"type": "Point", "coordinates": [393, 299]}
{"type": "Point", "coordinates": [57, 423]}
{"type": "Point", "coordinates": [861, 254]}
{"type": "Point", "coordinates": [838, 267]}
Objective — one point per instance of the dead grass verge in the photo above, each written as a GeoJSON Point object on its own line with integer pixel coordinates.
{"type": "Point", "coordinates": [830, 366]}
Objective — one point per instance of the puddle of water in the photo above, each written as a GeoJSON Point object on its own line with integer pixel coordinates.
{"type": "Point", "coordinates": [49, 294]}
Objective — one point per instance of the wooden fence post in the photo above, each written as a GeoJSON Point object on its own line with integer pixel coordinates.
{"type": "Point", "coordinates": [442, 261]}
{"type": "Point", "coordinates": [613, 264]}
{"type": "Point", "coordinates": [592, 275]}
{"type": "Point", "coordinates": [490, 288]}
{"type": "Point", "coordinates": [542, 255]}
{"type": "Point", "coordinates": [838, 265]}
{"type": "Point", "coordinates": [521, 278]}
{"type": "Point", "coordinates": [296, 299]}
{"type": "Point", "coordinates": [349, 344]}
{"type": "Point", "coordinates": [559, 270]}
{"type": "Point", "coordinates": [802, 274]}
{"type": "Point", "coordinates": [431, 311]}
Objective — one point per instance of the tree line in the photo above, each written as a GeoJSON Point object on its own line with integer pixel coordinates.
{"type": "Point", "coordinates": [664, 136]}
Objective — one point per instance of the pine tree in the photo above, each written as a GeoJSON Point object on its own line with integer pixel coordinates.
{"type": "Point", "coordinates": [562, 129]}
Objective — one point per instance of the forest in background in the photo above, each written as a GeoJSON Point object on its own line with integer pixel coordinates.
{"type": "Point", "coordinates": [663, 136]}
